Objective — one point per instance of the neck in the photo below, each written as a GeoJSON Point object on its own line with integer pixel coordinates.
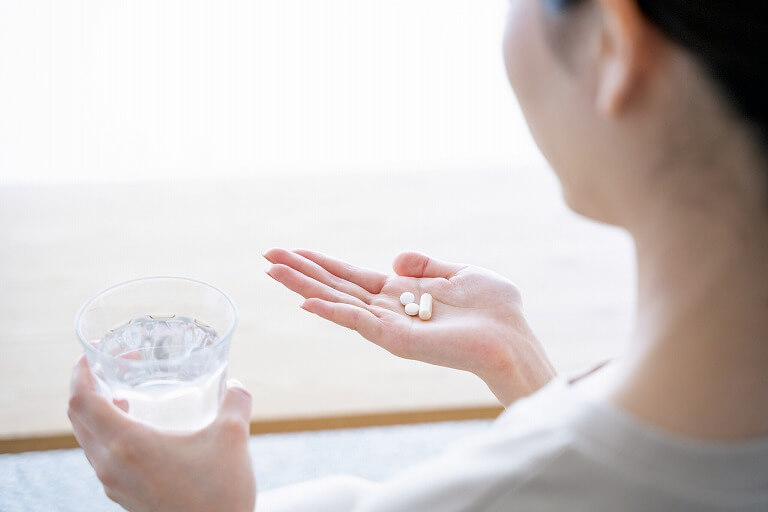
{"type": "Point", "coordinates": [699, 361]}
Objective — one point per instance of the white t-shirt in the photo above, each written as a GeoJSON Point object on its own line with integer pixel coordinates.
{"type": "Point", "coordinates": [558, 450]}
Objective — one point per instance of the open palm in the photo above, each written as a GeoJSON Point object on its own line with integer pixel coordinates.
{"type": "Point", "coordinates": [477, 321]}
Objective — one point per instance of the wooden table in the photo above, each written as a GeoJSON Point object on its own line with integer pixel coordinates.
{"type": "Point", "coordinates": [61, 243]}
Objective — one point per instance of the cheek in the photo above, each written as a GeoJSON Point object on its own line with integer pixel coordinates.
{"type": "Point", "coordinates": [549, 96]}
{"type": "Point", "coordinates": [532, 72]}
{"type": "Point", "coordinates": [518, 46]}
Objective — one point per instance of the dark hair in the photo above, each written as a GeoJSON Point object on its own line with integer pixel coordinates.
{"type": "Point", "coordinates": [729, 39]}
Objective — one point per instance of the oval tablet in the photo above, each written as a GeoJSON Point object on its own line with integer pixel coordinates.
{"type": "Point", "coordinates": [412, 309]}
{"type": "Point", "coordinates": [406, 298]}
{"type": "Point", "coordinates": [425, 307]}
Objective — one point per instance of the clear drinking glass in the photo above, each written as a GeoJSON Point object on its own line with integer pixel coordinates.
{"type": "Point", "coordinates": [161, 344]}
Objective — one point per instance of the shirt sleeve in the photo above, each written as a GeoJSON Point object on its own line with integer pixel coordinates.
{"type": "Point", "coordinates": [459, 480]}
{"type": "Point", "coordinates": [330, 494]}
{"type": "Point", "coordinates": [475, 471]}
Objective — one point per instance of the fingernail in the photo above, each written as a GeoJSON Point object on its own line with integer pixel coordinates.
{"type": "Point", "coordinates": [237, 386]}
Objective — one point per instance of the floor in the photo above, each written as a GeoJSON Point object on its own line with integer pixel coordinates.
{"type": "Point", "coordinates": [63, 481]}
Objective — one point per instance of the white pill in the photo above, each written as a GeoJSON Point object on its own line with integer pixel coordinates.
{"type": "Point", "coordinates": [412, 309]}
{"type": "Point", "coordinates": [425, 307]}
{"type": "Point", "coordinates": [406, 298]}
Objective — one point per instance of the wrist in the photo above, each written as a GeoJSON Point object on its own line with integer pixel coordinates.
{"type": "Point", "coordinates": [518, 371]}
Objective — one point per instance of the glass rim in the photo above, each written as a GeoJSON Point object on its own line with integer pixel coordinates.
{"type": "Point", "coordinates": [220, 339]}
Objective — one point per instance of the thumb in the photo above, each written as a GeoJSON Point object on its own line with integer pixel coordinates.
{"type": "Point", "coordinates": [82, 378]}
{"type": "Point", "coordinates": [235, 407]}
{"type": "Point", "coordinates": [415, 264]}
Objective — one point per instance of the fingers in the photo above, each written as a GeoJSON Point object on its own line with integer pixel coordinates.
{"type": "Point", "coordinates": [88, 405]}
{"type": "Point", "coordinates": [311, 269]}
{"type": "Point", "coordinates": [235, 410]}
{"type": "Point", "coordinates": [414, 264]}
{"type": "Point", "coordinates": [83, 435]}
{"type": "Point", "coordinates": [370, 280]}
{"type": "Point", "coordinates": [82, 381]}
{"type": "Point", "coordinates": [236, 403]}
{"type": "Point", "coordinates": [308, 287]}
{"type": "Point", "coordinates": [361, 320]}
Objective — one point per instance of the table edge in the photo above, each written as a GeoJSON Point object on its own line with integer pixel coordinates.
{"type": "Point", "coordinates": [59, 441]}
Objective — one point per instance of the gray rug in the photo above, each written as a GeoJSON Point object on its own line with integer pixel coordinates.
{"type": "Point", "coordinates": [62, 480]}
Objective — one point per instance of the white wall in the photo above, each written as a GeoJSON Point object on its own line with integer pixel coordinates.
{"type": "Point", "coordinates": [114, 90]}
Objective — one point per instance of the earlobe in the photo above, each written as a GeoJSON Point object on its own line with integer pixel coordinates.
{"type": "Point", "coordinates": [620, 57]}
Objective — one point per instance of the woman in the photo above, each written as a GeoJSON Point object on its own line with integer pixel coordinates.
{"type": "Point", "coordinates": [653, 114]}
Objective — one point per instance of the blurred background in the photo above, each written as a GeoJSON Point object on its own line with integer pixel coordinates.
{"type": "Point", "coordinates": [186, 137]}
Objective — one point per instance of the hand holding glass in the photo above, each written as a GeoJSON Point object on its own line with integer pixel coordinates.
{"type": "Point", "coordinates": [160, 345]}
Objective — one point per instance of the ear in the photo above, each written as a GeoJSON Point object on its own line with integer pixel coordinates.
{"type": "Point", "coordinates": [623, 53]}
